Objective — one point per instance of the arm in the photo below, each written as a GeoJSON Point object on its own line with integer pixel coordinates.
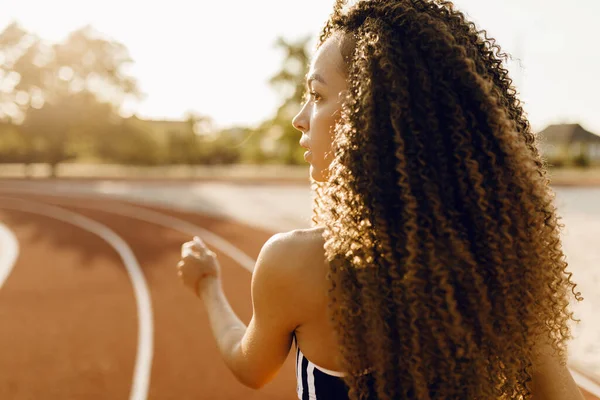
{"type": "Point", "coordinates": [256, 353]}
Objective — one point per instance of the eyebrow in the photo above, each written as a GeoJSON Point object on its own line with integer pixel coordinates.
{"type": "Point", "coordinates": [315, 77]}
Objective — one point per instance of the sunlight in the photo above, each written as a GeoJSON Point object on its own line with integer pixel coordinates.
{"type": "Point", "coordinates": [197, 62]}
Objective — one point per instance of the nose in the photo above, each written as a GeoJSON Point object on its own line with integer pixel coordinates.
{"type": "Point", "coordinates": [300, 122]}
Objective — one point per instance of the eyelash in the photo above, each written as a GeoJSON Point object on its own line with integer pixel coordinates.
{"type": "Point", "coordinates": [313, 95]}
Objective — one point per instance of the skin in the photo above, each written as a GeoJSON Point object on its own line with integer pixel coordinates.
{"type": "Point", "coordinates": [291, 270]}
{"type": "Point", "coordinates": [326, 85]}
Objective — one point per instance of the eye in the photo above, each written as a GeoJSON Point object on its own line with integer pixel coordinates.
{"type": "Point", "coordinates": [315, 96]}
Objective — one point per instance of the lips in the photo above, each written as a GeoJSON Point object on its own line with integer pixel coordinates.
{"type": "Point", "coordinates": [304, 144]}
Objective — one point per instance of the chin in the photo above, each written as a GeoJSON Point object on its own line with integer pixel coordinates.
{"type": "Point", "coordinates": [317, 174]}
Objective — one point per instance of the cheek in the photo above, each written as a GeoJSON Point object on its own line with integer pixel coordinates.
{"type": "Point", "coordinates": [322, 133]}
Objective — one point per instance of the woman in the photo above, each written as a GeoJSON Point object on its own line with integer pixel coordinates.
{"type": "Point", "coordinates": [434, 269]}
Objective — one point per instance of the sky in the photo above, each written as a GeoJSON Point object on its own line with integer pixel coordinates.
{"type": "Point", "coordinates": [215, 57]}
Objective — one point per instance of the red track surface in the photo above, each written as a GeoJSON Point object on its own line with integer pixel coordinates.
{"type": "Point", "coordinates": [68, 319]}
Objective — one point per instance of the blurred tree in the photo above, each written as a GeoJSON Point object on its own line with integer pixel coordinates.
{"type": "Point", "coordinates": [184, 148]}
{"type": "Point", "coordinates": [17, 147]}
{"type": "Point", "coordinates": [125, 143]}
{"type": "Point", "coordinates": [221, 148]}
{"type": "Point", "coordinates": [221, 153]}
{"type": "Point", "coordinates": [19, 50]}
{"type": "Point", "coordinates": [12, 144]}
{"type": "Point", "coordinates": [290, 83]}
{"type": "Point", "coordinates": [61, 90]}
{"type": "Point", "coordinates": [201, 125]}
{"type": "Point", "coordinates": [187, 146]}
{"type": "Point", "coordinates": [582, 159]}
{"type": "Point", "coordinates": [67, 127]}
{"type": "Point", "coordinates": [290, 80]}
{"type": "Point", "coordinates": [250, 146]}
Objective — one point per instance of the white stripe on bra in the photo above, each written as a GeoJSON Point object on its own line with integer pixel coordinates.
{"type": "Point", "coordinates": [324, 370]}
{"type": "Point", "coordinates": [310, 375]}
{"type": "Point", "coordinates": [299, 387]}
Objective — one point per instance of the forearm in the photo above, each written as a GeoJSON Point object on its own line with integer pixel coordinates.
{"type": "Point", "coordinates": [226, 327]}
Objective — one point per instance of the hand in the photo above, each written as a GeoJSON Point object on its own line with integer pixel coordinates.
{"type": "Point", "coordinates": [197, 265]}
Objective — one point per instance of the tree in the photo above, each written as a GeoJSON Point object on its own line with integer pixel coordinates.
{"type": "Point", "coordinates": [290, 82]}
{"type": "Point", "coordinates": [222, 150]}
{"type": "Point", "coordinates": [12, 146]}
{"type": "Point", "coordinates": [184, 148]}
{"type": "Point", "coordinates": [59, 90]}
{"type": "Point", "coordinates": [126, 144]}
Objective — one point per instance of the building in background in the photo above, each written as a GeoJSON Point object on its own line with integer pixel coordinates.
{"type": "Point", "coordinates": [564, 142]}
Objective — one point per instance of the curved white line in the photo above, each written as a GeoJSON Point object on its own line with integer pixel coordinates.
{"type": "Point", "coordinates": [585, 382]}
{"type": "Point", "coordinates": [143, 363]}
{"type": "Point", "coordinates": [9, 251]}
{"type": "Point", "coordinates": [147, 215]}
{"type": "Point", "coordinates": [223, 245]}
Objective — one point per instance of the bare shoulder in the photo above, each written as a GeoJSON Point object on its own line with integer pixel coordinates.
{"type": "Point", "coordinates": [551, 379]}
{"type": "Point", "coordinates": [283, 254]}
{"type": "Point", "coordinates": [296, 246]}
{"type": "Point", "coordinates": [310, 236]}
{"type": "Point", "coordinates": [294, 261]}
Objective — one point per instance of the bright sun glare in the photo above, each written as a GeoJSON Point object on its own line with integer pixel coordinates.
{"type": "Point", "coordinates": [211, 58]}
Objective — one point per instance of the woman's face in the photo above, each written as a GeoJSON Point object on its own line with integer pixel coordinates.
{"type": "Point", "coordinates": [316, 119]}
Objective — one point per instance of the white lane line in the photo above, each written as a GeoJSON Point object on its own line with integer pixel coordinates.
{"type": "Point", "coordinates": [585, 382]}
{"type": "Point", "coordinates": [143, 363]}
{"type": "Point", "coordinates": [9, 251]}
{"type": "Point", "coordinates": [220, 243]}
{"type": "Point", "coordinates": [152, 216]}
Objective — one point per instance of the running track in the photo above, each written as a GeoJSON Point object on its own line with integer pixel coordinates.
{"type": "Point", "coordinates": [91, 307]}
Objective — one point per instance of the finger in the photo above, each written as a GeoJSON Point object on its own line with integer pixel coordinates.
{"type": "Point", "coordinates": [199, 243]}
{"type": "Point", "coordinates": [190, 256]}
{"type": "Point", "coordinates": [187, 245]}
{"type": "Point", "coordinates": [181, 269]}
{"type": "Point", "coordinates": [200, 253]}
{"type": "Point", "coordinates": [195, 247]}
{"type": "Point", "coordinates": [190, 248]}
{"type": "Point", "coordinates": [191, 261]}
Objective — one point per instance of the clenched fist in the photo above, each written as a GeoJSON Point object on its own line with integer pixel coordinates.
{"type": "Point", "coordinates": [198, 264]}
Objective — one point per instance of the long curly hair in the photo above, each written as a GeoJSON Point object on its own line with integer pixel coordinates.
{"type": "Point", "coordinates": [445, 260]}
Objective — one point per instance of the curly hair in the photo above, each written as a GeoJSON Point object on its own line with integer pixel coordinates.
{"type": "Point", "coordinates": [443, 243]}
